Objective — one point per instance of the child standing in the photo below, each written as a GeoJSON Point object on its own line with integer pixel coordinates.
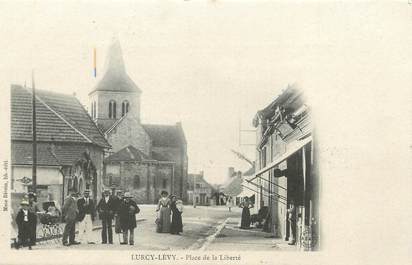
{"type": "Point", "coordinates": [25, 222]}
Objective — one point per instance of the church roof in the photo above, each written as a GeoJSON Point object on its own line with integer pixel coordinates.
{"type": "Point", "coordinates": [60, 118]}
{"type": "Point", "coordinates": [165, 135]}
{"type": "Point", "coordinates": [128, 153]}
{"type": "Point", "coordinates": [115, 77]}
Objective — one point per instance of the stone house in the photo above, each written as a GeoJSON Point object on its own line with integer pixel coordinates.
{"type": "Point", "coordinates": [199, 190]}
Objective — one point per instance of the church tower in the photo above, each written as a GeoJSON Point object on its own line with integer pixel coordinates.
{"type": "Point", "coordinates": [115, 94]}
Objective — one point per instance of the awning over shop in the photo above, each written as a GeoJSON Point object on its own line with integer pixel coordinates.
{"type": "Point", "coordinates": [291, 149]}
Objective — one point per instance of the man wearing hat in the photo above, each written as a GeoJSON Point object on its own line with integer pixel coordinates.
{"type": "Point", "coordinates": [117, 203]}
{"type": "Point", "coordinates": [128, 211]}
{"type": "Point", "coordinates": [106, 214]}
{"type": "Point", "coordinates": [25, 220]}
{"type": "Point", "coordinates": [69, 213]}
{"type": "Point", "coordinates": [33, 207]}
{"type": "Point", "coordinates": [87, 213]}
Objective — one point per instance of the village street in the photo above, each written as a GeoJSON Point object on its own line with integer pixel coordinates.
{"type": "Point", "coordinates": [205, 228]}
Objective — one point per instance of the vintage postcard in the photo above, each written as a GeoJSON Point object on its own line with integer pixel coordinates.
{"type": "Point", "coordinates": [205, 132]}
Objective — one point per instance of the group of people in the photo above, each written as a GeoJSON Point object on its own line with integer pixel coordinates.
{"type": "Point", "coordinates": [170, 211]}
{"type": "Point", "coordinates": [82, 210]}
{"type": "Point", "coordinates": [119, 207]}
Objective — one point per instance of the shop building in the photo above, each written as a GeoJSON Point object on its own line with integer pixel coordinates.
{"type": "Point", "coordinates": [286, 171]}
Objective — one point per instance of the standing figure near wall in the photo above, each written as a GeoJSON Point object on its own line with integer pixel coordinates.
{"type": "Point", "coordinates": [246, 205]}
{"type": "Point", "coordinates": [163, 207]}
{"type": "Point", "coordinates": [292, 222]}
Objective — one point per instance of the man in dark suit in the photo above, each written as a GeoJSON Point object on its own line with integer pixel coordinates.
{"type": "Point", "coordinates": [69, 213]}
{"type": "Point", "coordinates": [106, 214]}
{"type": "Point", "coordinates": [87, 213]}
{"type": "Point", "coordinates": [33, 207]}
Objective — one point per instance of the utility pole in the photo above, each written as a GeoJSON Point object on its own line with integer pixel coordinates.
{"type": "Point", "coordinates": [34, 166]}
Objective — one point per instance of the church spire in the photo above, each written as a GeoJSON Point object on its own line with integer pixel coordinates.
{"type": "Point", "coordinates": [115, 77]}
{"type": "Point", "coordinates": [114, 59]}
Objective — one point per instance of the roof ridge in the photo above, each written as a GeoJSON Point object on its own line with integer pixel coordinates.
{"type": "Point", "coordinates": [61, 117]}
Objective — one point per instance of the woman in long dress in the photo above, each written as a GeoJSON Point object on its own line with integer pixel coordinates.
{"type": "Point", "coordinates": [246, 204]}
{"type": "Point", "coordinates": [163, 207]}
{"type": "Point", "coordinates": [177, 208]}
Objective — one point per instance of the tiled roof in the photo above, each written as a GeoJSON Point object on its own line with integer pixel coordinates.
{"type": "Point", "coordinates": [47, 153]}
{"type": "Point", "coordinates": [68, 154]}
{"type": "Point", "coordinates": [21, 154]}
{"type": "Point", "coordinates": [60, 118]}
{"type": "Point", "coordinates": [128, 153]}
{"type": "Point", "coordinates": [159, 157]}
{"type": "Point", "coordinates": [165, 135]}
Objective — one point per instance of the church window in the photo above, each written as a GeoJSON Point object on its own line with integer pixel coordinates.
{"type": "Point", "coordinates": [136, 182]}
{"type": "Point", "coordinates": [112, 109]}
{"type": "Point", "coordinates": [125, 107]}
{"type": "Point", "coordinates": [94, 110]}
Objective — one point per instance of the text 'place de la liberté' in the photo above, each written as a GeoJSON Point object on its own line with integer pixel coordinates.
{"type": "Point", "coordinates": [187, 257]}
{"type": "Point", "coordinates": [97, 176]}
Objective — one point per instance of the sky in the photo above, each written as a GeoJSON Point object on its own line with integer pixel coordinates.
{"type": "Point", "coordinates": [209, 64]}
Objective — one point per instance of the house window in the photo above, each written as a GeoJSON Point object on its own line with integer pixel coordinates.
{"type": "Point", "coordinates": [125, 107]}
{"type": "Point", "coordinates": [164, 183]}
{"type": "Point", "coordinates": [112, 109]}
{"type": "Point", "coordinates": [136, 182]}
{"type": "Point", "coordinates": [91, 109]}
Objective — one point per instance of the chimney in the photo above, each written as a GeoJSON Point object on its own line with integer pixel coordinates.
{"type": "Point", "coordinates": [231, 171]}
{"type": "Point", "coordinates": [201, 173]}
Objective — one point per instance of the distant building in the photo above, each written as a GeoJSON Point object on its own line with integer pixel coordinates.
{"type": "Point", "coordinates": [145, 158]}
{"type": "Point", "coordinates": [232, 186]}
{"type": "Point", "coordinates": [286, 167]}
{"type": "Point", "coordinates": [248, 189]}
{"type": "Point", "coordinates": [66, 137]}
{"type": "Point", "coordinates": [199, 190]}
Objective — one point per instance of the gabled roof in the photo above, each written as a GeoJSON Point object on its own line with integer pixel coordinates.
{"type": "Point", "coordinates": [47, 154]}
{"type": "Point", "coordinates": [59, 118]}
{"type": "Point", "coordinates": [128, 153]}
{"type": "Point", "coordinates": [114, 76]}
{"type": "Point", "coordinates": [165, 135]}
